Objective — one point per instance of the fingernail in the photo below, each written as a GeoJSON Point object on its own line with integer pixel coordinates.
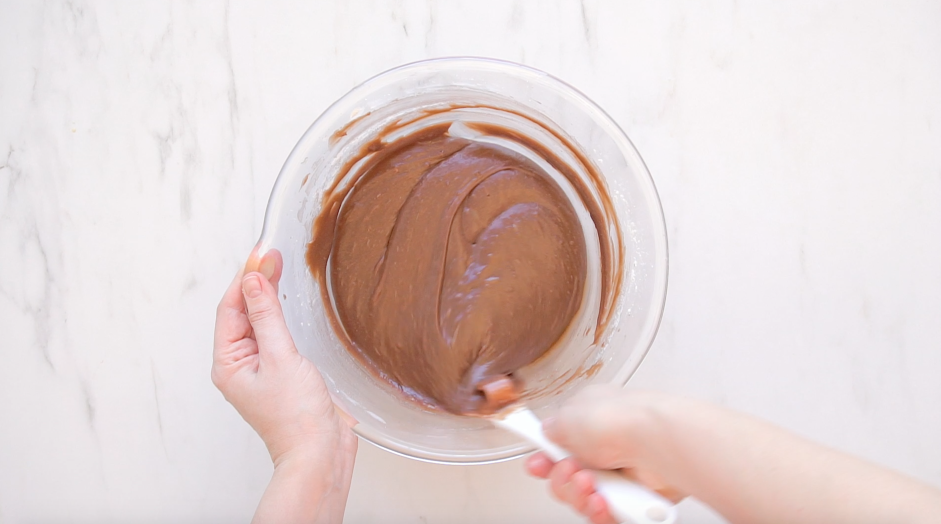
{"type": "Point", "coordinates": [251, 286]}
{"type": "Point", "coordinates": [266, 267]}
{"type": "Point", "coordinates": [346, 417]}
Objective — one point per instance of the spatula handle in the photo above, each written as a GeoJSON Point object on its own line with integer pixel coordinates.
{"type": "Point", "coordinates": [631, 502]}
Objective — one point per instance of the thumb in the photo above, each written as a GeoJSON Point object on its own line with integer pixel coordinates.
{"type": "Point", "coordinates": [266, 317]}
{"type": "Point", "coordinates": [554, 432]}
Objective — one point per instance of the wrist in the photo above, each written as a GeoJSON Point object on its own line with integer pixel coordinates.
{"type": "Point", "coordinates": [323, 469]}
{"type": "Point", "coordinates": [309, 484]}
{"type": "Point", "coordinates": [320, 444]}
{"type": "Point", "coordinates": [314, 451]}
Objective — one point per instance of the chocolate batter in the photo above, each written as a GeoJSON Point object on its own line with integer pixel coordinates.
{"type": "Point", "coordinates": [453, 263]}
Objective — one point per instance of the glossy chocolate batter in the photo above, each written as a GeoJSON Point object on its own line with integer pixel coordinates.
{"type": "Point", "coordinates": [453, 263]}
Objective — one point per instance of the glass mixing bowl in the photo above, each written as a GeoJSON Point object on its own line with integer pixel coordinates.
{"type": "Point", "coordinates": [548, 111]}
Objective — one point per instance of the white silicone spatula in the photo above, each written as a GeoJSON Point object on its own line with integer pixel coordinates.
{"type": "Point", "coordinates": [627, 501]}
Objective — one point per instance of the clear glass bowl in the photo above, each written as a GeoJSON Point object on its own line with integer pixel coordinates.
{"type": "Point", "coordinates": [454, 88]}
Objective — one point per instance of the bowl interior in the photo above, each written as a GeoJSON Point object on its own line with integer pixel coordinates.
{"type": "Point", "coordinates": [455, 89]}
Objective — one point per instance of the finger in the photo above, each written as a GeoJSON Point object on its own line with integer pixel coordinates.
{"type": "Point", "coordinates": [671, 494]}
{"type": "Point", "coordinates": [270, 264]}
{"type": "Point", "coordinates": [231, 321]}
{"type": "Point", "coordinates": [539, 465]}
{"type": "Point", "coordinates": [597, 510]}
{"type": "Point", "coordinates": [580, 487]}
{"type": "Point", "coordinates": [560, 476]}
{"type": "Point", "coordinates": [653, 482]}
{"type": "Point", "coordinates": [266, 317]}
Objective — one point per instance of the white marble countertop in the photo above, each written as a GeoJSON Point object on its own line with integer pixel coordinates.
{"type": "Point", "coordinates": [796, 147]}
